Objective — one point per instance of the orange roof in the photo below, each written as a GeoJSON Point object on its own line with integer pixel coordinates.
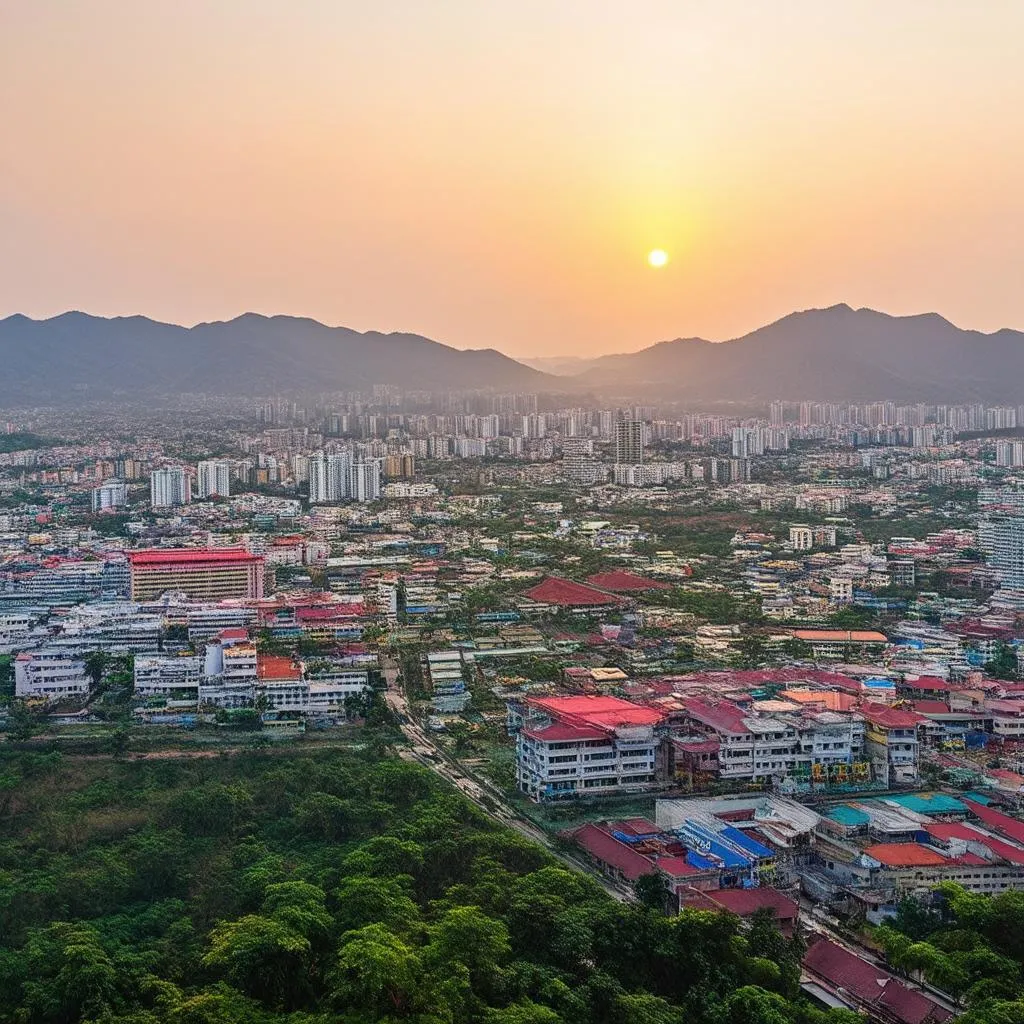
{"type": "Point", "coordinates": [905, 855]}
{"type": "Point", "coordinates": [862, 636]}
{"type": "Point", "coordinates": [276, 666]}
{"type": "Point", "coordinates": [833, 700]}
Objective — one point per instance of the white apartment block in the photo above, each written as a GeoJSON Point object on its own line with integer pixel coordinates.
{"type": "Point", "coordinates": [50, 676]}
{"type": "Point", "coordinates": [585, 746]}
{"type": "Point", "coordinates": [169, 487]}
{"type": "Point", "coordinates": [214, 479]}
{"type": "Point", "coordinates": [167, 675]}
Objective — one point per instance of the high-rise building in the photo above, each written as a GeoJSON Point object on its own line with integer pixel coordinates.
{"type": "Point", "coordinates": [364, 481]}
{"type": "Point", "coordinates": [168, 487]}
{"type": "Point", "coordinates": [110, 494]}
{"type": "Point", "coordinates": [214, 479]}
{"type": "Point", "coordinates": [339, 477]}
{"type": "Point", "coordinates": [1002, 539]}
{"type": "Point", "coordinates": [629, 442]}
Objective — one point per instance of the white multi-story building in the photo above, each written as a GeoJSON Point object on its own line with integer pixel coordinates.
{"type": "Point", "coordinates": [110, 494]}
{"type": "Point", "coordinates": [568, 747]}
{"type": "Point", "coordinates": [214, 479]}
{"type": "Point", "coordinates": [727, 741]}
{"type": "Point", "coordinates": [50, 676]}
{"type": "Point", "coordinates": [1002, 539]}
{"type": "Point", "coordinates": [169, 487]}
{"type": "Point", "coordinates": [168, 675]}
{"type": "Point", "coordinates": [340, 477]}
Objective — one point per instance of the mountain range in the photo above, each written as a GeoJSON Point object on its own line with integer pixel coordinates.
{"type": "Point", "coordinates": [42, 360]}
{"type": "Point", "coordinates": [836, 354]}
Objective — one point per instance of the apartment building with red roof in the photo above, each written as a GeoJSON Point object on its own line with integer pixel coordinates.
{"type": "Point", "coordinates": [568, 747]}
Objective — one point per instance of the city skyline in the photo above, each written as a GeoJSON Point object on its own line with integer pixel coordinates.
{"type": "Point", "coordinates": [498, 177]}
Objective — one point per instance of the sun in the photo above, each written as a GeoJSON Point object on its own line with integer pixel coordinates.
{"type": "Point", "coordinates": [657, 257]}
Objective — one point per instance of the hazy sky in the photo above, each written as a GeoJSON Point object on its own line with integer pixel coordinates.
{"type": "Point", "coordinates": [493, 172]}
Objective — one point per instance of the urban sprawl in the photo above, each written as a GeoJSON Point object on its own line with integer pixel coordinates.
{"type": "Point", "coordinates": [773, 659]}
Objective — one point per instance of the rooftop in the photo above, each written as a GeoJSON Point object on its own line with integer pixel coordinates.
{"type": "Point", "coordinates": [620, 580]}
{"type": "Point", "coordinates": [155, 557]}
{"type": "Point", "coordinates": [567, 593]}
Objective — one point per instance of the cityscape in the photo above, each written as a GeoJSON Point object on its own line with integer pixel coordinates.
{"type": "Point", "coordinates": [772, 661]}
{"type": "Point", "coordinates": [511, 513]}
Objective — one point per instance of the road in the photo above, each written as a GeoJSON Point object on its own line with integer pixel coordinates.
{"type": "Point", "coordinates": [424, 750]}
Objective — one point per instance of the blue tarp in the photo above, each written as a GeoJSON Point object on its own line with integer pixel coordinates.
{"type": "Point", "coordinates": [695, 860]}
{"type": "Point", "coordinates": [750, 845]}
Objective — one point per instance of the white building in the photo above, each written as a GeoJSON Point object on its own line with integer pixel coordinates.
{"type": "Point", "coordinates": [167, 675]}
{"type": "Point", "coordinates": [169, 487]}
{"type": "Point", "coordinates": [340, 477]}
{"type": "Point", "coordinates": [50, 675]}
{"type": "Point", "coordinates": [568, 747]}
{"type": "Point", "coordinates": [110, 494]}
{"type": "Point", "coordinates": [1002, 539]}
{"type": "Point", "coordinates": [214, 479]}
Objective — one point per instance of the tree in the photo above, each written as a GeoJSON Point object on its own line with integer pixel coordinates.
{"type": "Point", "coordinates": [1003, 665]}
{"type": "Point", "coordinates": [261, 955]}
{"type": "Point", "coordinates": [652, 891]}
{"type": "Point", "coordinates": [23, 722]}
{"type": "Point", "coordinates": [95, 665]}
{"type": "Point", "coordinates": [377, 972]}
{"type": "Point", "coordinates": [363, 900]}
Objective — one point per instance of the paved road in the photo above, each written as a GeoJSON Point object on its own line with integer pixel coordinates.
{"type": "Point", "coordinates": [481, 792]}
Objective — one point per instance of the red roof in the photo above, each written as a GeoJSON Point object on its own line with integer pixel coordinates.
{"type": "Point", "coordinates": [926, 683]}
{"type": "Point", "coordinates": [619, 580]}
{"type": "Point", "coordinates": [871, 985]}
{"type": "Point", "coordinates": [569, 594]}
{"type": "Point", "coordinates": [888, 717]}
{"type": "Point", "coordinates": [745, 902]}
{"type": "Point", "coordinates": [1001, 823]}
{"type": "Point", "coordinates": [603, 846]}
{"type": "Point", "coordinates": [676, 867]}
{"type": "Point", "coordinates": [722, 717]}
{"type": "Point", "coordinates": [560, 732]}
{"type": "Point", "coordinates": [598, 712]}
{"type": "Point", "coordinates": [155, 557]}
{"type": "Point", "coordinates": [931, 707]}
{"type": "Point", "coordinates": [905, 855]}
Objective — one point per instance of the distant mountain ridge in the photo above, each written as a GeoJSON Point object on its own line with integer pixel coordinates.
{"type": "Point", "coordinates": [42, 360]}
{"type": "Point", "coordinates": [835, 354]}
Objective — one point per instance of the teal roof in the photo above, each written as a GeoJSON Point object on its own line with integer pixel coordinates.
{"type": "Point", "coordinates": [929, 803]}
{"type": "Point", "coordinates": [847, 815]}
{"type": "Point", "coordinates": [978, 798]}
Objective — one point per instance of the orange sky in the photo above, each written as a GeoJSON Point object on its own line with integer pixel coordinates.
{"type": "Point", "coordinates": [493, 172]}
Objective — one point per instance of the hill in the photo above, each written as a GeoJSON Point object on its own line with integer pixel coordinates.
{"type": "Point", "coordinates": [76, 354]}
{"type": "Point", "coordinates": [839, 354]}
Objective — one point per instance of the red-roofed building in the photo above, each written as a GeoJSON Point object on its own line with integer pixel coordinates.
{"type": "Point", "coordinates": [837, 976]}
{"type": "Point", "coordinates": [620, 582]}
{"type": "Point", "coordinates": [625, 854]}
{"type": "Point", "coordinates": [558, 592]}
{"type": "Point", "coordinates": [207, 574]}
{"type": "Point", "coordinates": [569, 747]}
{"type": "Point", "coordinates": [891, 741]}
{"type": "Point", "coordinates": [905, 855]}
{"type": "Point", "coordinates": [744, 903]}
{"type": "Point", "coordinates": [997, 821]}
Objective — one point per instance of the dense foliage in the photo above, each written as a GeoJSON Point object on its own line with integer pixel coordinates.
{"type": "Point", "coordinates": [271, 886]}
{"type": "Point", "coordinates": [969, 945]}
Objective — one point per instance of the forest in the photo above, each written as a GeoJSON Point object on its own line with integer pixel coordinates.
{"type": "Point", "coordinates": [284, 885]}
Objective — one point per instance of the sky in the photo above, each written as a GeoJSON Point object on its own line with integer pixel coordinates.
{"type": "Point", "coordinates": [493, 173]}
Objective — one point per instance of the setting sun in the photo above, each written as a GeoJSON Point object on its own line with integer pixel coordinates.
{"type": "Point", "coordinates": [657, 257]}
